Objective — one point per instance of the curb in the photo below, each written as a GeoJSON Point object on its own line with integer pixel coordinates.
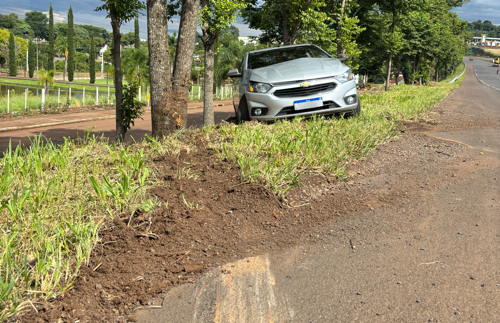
{"type": "Point", "coordinates": [79, 120]}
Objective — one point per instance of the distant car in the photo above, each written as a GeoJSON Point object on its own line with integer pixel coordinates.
{"type": "Point", "coordinates": [289, 81]}
{"type": "Point", "coordinates": [471, 59]}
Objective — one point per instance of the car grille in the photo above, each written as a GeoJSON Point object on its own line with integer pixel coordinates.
{"type": "Point", "coordinates": [304, 91]}
{"type": "Point", "coordinates": [291, 110]}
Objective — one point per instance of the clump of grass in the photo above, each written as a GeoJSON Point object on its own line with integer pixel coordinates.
{"type": "Point", "coordinates": [53, 202]}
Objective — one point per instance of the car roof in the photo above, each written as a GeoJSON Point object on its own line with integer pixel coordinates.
{"type": "Point", "coordinates": [280, 47]}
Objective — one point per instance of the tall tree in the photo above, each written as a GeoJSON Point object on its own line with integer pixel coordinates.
{"type": "Point", "coordinates": [169, 97]}
{"type": "Point", "coordinates": [120, 12]}
{"type": "Point", "coordinates": [92, 60]}
{"type": "Point", "coordinates": [215, 16]}
{"type": "Point", "coordinates": [31, 58]}
{"type": "Point", "coordinates": [71, 46]}
{"type": "Point", "coordinates": [12, 56]}
{"type": "Point", "coordinates": [50, 52]}
{"type": "Point", "coordinates": [137, 40]}
{"type": "Point", "coordinates": [283, 21]}
{"type": "Point", "coordinates": [394, 10]}
{"type": "Point", "coordinates": [37, 20]}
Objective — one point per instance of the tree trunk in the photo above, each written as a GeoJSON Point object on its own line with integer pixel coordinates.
{"type": "Point", "coordinates": [437, 71]}
{"type": "Point", "coordinates": [340, 49]}
{"type": "Point", "coordinates": [120, 129]}
{"type": "Point", "coordinates": [65, 66]}
{"type": "Point", "coordinates": [287, 37]}
{"type": "Point", "coordinates": [208, 96]}
{"type": "Point", "coordinates": [163, 115]}
{"type": "Point", "coordinates": [184, 61]}
{"type": "Point", "coordinates": [389, 62]}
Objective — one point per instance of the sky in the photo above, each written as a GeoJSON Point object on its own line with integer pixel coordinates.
{"type": "Point", "coordinates": [480, 10]}
{"type": "Point", "coordinates": [84, 14]}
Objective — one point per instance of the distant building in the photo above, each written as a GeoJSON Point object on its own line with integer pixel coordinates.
{"type": "Point", "coordinates": [486, 41]}
{"type": "Point", "coordinates": [248, 40]}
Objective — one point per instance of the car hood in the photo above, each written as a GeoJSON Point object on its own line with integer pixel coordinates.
{"type": "Point", "coordinates": [298, 70]}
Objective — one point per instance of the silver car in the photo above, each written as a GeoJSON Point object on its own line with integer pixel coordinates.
{"type": "Point", "coordinates": [289, 81]}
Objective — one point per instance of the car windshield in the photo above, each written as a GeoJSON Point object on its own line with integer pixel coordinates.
{"type": "Point", "coordinates": [281, 55]}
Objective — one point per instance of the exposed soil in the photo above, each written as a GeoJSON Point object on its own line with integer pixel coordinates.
{"type": "Point", "coordinates": [212, 218]}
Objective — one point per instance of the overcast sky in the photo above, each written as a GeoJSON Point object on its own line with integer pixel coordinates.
{"type": "Point", "coordinates": [83, 11]}
{"type": "Point", "coordinates": [480, 10]}
{"type": "Point", "coordinates": [84, 14]}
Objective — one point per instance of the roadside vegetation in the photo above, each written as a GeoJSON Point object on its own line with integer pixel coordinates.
{"type": "Point", "coordinates": [57, 198]}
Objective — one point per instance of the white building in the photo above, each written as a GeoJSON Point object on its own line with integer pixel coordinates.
{"type": "Point", "coordinates": [248, 40]}
{"type": "Point", "coordinates": [486, 41]}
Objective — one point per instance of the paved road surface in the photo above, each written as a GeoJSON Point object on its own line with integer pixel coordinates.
{"type": "Point", "coordinates": [428, 274]}
{"type": "Point", "coordinates": [486, 72]}
{"type": "Point", "coordinates": [104, 127]}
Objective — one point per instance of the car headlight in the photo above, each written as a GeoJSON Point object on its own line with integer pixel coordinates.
{"type": "Point", "coordinates": [259, 87]}
{"type": "Point", "coordinates": [345, 77]}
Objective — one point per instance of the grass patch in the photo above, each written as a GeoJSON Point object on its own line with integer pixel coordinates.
{"type": "Point", "coordinates": [458, 71]}
{"type": "Point", "coordinates": [54, 200]}
{"type": "Point", "coordinates": [17, 102]}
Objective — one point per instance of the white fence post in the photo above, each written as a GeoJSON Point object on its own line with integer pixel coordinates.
{"type": "Point", "coordinates": [43, 98]}
{"type": "Point", "coordinates": [140, 94]}
{"type": "Point", "coordinates": [83, 96]}
{"type": "Point", "coordinates": [58, 96]}
{"type": "Point", "coordinates": [69, 96]}
{"type": "Point", "coordinates": [96, 95]}
{"type": "Point", "coordinates": [199, 92]}
{"type": "Point", "coordinates": [25, 99]}
{"type": "Point", "coordinates": [108, 95]}
{"type": "Point", "coordinates": [8, 101]}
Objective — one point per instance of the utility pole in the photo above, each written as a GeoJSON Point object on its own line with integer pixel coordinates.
{"type": "Point", "coordinates": [36, 42]}
{"type": "Point", "coordinates": [27, 67]}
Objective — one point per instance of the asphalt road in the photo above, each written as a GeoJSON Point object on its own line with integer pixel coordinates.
{"type": "Point", "coordinates": [486, 72]}
{"type": "Point", "coordinates": [445, 269]}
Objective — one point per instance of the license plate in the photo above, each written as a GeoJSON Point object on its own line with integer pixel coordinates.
{"type": "Point", "coordinates": [308, 104]}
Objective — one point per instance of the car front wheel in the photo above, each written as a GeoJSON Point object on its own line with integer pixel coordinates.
{"type": "Point", "coordinates": [242, 114]}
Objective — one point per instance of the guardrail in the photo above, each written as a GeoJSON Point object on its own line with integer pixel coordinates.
{"type": "Point", "coordinates": [456, 78]}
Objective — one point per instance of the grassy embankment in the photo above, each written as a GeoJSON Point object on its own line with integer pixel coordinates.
{"type": "Point", "coordinates": [55, 199]}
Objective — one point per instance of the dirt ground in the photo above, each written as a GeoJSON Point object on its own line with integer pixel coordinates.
{"type": "Point", "coordinates": [213, 218]}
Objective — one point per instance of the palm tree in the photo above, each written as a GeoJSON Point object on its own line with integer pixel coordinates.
{"type": "Point", "coordinates": [134, 66]}
{"type": "Point", "coordinates": [62, 50]}
{"type": "Point", "coordinates": [45, 78]}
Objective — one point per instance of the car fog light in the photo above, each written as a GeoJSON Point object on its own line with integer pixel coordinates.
{"type": "Point", "coordinates": [258, 112]}
{"type": "Point", "coordinates": [351, 100]}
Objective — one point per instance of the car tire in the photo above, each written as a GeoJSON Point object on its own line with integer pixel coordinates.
{"type": "Point", "coordinates": [241, 112]}
{"type": "Point", "coordinates": [354, 112]}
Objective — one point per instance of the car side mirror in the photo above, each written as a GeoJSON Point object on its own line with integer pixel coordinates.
{"type": "Point", "coordinates": [343, 57]}
{"type": "Point", "coordinates": [234, 73]}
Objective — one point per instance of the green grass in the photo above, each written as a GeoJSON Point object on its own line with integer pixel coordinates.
{"type": "Point", "coordinates": [16, 102]}
{"type": "Point", "coordinates": [54, 200]}
{"type": "Point", "coordinates": [57, 85]}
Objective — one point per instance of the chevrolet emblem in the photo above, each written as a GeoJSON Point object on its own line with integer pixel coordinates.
{"type": "Point", "coordinates": [305, 84]}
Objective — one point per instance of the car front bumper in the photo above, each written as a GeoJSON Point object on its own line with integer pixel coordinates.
{"type": "Point", "coordinates": [283, 107]}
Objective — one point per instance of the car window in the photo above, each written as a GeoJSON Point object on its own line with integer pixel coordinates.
{"type": "Point", "coordinates": [281, 55]}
